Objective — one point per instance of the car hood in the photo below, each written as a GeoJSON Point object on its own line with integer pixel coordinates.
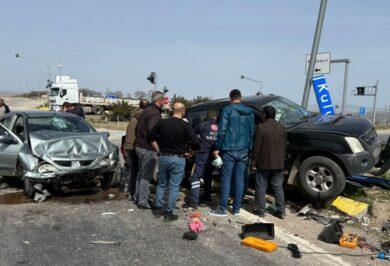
{"type": "Point", "coordinates": [72, 146]}
{"type": "Point", "coordinates": [346, 125]}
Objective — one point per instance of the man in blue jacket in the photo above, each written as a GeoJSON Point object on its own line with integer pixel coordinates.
{"type": "Point", "coordinates": [234, 140]}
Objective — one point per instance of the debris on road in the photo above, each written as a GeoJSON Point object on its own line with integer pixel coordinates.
{"type": "Point", "coordinates": [259, 244]}
{"type": "Point", "coordinates": [370, 181]}
{"type": "Point", "coordinates": [366, 221]}
{"type": "Point", "coordinates": [26, 242]}
{"type": "Point", "coordinates": [350, 207]}
{"type": "Point", "coordinates": [264, 231]}
{"type": "Point", "coordinates": [190, 235]}
{"type": "Point", "coordinates": [104, 242]}
{"type": "Point", "coordinates": [295, 252]}
{"type": "Point", "coordinates": [130, 210]}
{"type": "Point", "coordinates": [111, 196]}
{"type": "Point", "coordinates": [349, 241]}
{"type": "Point", "coordinates": [41, 196]}
{"type": "Point", "coordinates": [108, 213]}
{"type": "Point", "coordinates": [332, 232]}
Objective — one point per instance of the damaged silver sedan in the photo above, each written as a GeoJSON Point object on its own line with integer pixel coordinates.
{"type": "Point", "coordinates": [60, 149]}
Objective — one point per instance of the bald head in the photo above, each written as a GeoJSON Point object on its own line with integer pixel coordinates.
{"type": "Point", "coordinates": [179, 109]}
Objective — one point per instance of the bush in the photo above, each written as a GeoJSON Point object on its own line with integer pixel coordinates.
{"type": "Point", "coordinates": [121, 110]}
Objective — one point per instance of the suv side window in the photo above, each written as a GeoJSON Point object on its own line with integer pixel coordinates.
{"type": "Point", "coordinates": [19, 128]}
{"type": "Point", "coordinates": [195, 118]}
{"type": "Point", "coordinates": [6, 122]}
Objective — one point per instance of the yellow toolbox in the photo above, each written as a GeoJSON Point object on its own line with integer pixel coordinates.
{"type": "Point", "coordinates": [259, 244]}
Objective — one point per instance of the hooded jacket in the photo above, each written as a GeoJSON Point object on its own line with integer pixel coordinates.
{"type": "Point", "coordinates": [130, 131]}
{"type": "Point", "coordinates": [236, 128]}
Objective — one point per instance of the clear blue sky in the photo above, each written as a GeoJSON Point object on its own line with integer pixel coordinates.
{"type": "Point", "coordinates": [197, 47]}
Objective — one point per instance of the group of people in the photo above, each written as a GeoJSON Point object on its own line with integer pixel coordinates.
{"type": "Point", "coordinates": [228, 138]}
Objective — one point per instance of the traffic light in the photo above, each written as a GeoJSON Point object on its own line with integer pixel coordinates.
{"type": "Point", "coordinates": [360, 90]}
{"type": "Point", "coordinates": [152, 77]}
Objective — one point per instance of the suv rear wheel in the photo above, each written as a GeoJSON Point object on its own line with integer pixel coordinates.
{"type": "Point", "coordinates": [321, 178]}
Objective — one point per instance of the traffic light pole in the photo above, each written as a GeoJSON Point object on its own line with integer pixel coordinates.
{"type": "Point", "coordinates": [345, 88]}
{"type": "Point", "coordinates": [314, 50]}
{"type": "Point", "coordinates": [374, 108]}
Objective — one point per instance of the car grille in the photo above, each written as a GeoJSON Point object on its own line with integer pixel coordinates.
{"type": "Point", "coordinates": [69, 163]}
{"type": "Point", "coordinates": [370, 136]}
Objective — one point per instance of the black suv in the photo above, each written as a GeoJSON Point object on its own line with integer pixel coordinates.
{"type": "Point", "coordinates": [322, 150]}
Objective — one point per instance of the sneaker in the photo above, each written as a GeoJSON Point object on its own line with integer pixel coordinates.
{"type": "Point", "coordinates": [236, 213]}
{"type": "Point", "coordinates": [218, 212]}
{"type": "Point", "coordinates": [259, 212]}
{"type": "Point", "coordinates": [156, 211]}
{"type": "Point", "coordinates": [190, 205]}
{"type": "Point", "coordinates": [143, 207]}
{"type": "Point", "coordinates": [170, 217]}
{"type": "Point", "coordinates": [282, 214]}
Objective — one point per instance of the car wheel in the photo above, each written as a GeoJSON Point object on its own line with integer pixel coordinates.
{"type": "Point", "coordinates": [29, 187]}
{"type": "Point", "coordinates": [105, 183]}
{"type": "Point", "coordinates": [321, 178]}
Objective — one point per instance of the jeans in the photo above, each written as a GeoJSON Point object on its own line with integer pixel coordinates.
{"type": "Point", "coordinates": [132, 165]}
{"type": "Point", "coordinates": [234, 165]}
{"type": "Point", "coordinates": [170, 174]}
{"type": "Point", "coordinates": [147, 163]}
{"type": "Point", "coordinates": [276, 178]}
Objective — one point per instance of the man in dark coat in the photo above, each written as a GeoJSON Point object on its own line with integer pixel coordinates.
{"type": "Point", "coordinates": [268, 159]}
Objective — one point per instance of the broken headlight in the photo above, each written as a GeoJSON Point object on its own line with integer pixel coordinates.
{"type": "Point", "coordinates": [46, 168]}
{"type": "Point", "coordinates": [354, 144]}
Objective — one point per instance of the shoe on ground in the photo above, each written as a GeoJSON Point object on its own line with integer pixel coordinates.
{"type": "Point", "coordinates": [205, 199]}
{"type": "Point", "coordinates": [170, 217]}
{"type": "Point", "coordinates": [282, 215]}
{"type": "Point", "coordinates": [190, 205]}
{"type": "Point", "coordinates": [259, 212]}
{"type": "Point", "coordinates": [156, 211]}
{"type": "Point", "coordinates": [143, 207]}
{"type": "Point", "coordinates": [218, 212]}
{"type": "Point", "coordinates": [236, 213]}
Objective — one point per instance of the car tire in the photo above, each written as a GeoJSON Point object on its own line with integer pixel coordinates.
{"type": "Point", "coordinates": [105, 182]}
{"type": "Point", "coordinates": [97, 110]}
{"type": "Point", "coordinates": [29, 187]}
{"type": "Point", "coordinates": [321, 178]}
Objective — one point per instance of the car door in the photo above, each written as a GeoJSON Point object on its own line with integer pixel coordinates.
{"type": "Point", "coordinates": [10, 145]}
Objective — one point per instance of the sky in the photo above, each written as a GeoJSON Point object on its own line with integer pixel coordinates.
{"type": "Point", "coordinates": [197, 47]}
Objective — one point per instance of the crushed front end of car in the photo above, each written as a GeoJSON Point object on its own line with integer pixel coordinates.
{"type": "Point", "coordinates": [64, 158]}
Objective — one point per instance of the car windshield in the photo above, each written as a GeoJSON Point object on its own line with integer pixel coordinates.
{"type": "Point", "coordinates": [54, 91]}
{"type": "Point", "coordinates": [58, 123]}
{"type": "Point", "coordinates": [288, 112]}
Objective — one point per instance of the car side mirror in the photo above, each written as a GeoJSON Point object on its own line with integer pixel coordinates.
{"type": "Point", "coordinates": [5, 139]}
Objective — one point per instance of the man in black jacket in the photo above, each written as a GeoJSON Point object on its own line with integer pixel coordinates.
{"type": "Point", "coordinates": [147, 155]}
{"type": "Point", "coordinates": [170, 138]}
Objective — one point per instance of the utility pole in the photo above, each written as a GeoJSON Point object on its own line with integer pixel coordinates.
{"type": "Point", "coordinates": [314, 50]}
{"type": "Point", "coordinates": [374, 108]}
{"type": "Point", "coordinates": [345, 88]}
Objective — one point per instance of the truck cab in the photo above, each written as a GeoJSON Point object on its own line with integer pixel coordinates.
{"type": "Point", "coordinates": [64, 89]}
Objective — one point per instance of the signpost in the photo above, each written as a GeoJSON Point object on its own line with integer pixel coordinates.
{"type": "Point", "coordinates": [323, 96]}
{"type": "Point", "coordinates": [322, 63]}
{"type": "Point", "coordinates": [362, 111]}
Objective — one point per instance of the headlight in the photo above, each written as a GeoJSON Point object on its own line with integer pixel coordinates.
{"type": "Point", "coordinates": [45, 168]}
{"type": "Point", "coordinates": [105, 162]}
{"type": "Point", "coordinates": [354, 144]}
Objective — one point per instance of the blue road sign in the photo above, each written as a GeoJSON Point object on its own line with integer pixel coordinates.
{"type": "Point", "coordinates": [323, 96]}
{"type": "Point", "coordinates": [362, 111]}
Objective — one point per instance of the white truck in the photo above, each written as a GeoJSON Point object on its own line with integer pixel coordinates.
{"type": "Point", "coordinates": [65, 89]}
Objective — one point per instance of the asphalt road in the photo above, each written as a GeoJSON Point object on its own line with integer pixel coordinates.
{"type": "Point", "coordinates": [59, 232]}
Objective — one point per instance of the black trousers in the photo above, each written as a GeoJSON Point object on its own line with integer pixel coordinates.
{"type": "Point", "coordinates": [132, 166]}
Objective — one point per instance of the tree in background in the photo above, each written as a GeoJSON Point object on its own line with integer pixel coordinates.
{"type": "Point", "coordinates": [121, 110]}
{"type": "Point", "coordinates": [118, 94]}
{"type": "Point", "coordinates": [189, 103]}
{"type": "Point", "coordinates": [139, 95]}
{"type": "Point", "coordinates": [90, 93]}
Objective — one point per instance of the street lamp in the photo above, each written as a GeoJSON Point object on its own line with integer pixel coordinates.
{"type": "Point", "coordinates": [18, 55]}
{"type": "Point", "coordinates": [256, 81]}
